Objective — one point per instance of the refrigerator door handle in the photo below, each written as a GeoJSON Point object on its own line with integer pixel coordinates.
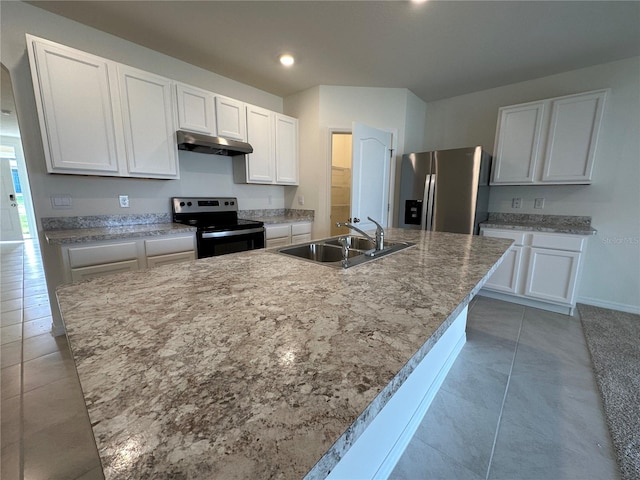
{"type": "Point", "coordinates": [428, 202]}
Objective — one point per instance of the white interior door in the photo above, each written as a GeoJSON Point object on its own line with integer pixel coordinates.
{"type": "Point", "coordinates": [9, 217]}
{"type": "Point", "coordinates": [371, 157]}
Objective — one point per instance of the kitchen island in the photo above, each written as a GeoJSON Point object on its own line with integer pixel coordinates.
{"type": "Point", "coordinates": [257, 365]}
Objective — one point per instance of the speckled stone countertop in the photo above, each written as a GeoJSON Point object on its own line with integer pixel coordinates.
{"type": "Point", "coordinates": [282, 215]}
{"type": "Point", "coordinates": [541, 223]}
{"type": "Point", "coordinates": [80, 235]}
{"type": "Point", "coordinates": [257, 365]}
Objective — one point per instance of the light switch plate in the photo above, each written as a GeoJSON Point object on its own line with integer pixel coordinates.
{"type": "Point", "coordinates": [61, 201]}
{"type": "Point", "coordinates": [124, 201]}
{"type": "Point", "coordinates": [538, 203]}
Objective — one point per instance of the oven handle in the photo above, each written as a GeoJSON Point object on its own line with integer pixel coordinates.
{"type": "Point", "coordinates": [232, 233]}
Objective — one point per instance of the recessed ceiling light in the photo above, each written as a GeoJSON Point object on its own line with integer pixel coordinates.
{"type": "Point", "coordinates": [287, 60]}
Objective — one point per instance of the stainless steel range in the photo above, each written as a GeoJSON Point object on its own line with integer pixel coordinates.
{"type": "Point", "coordinates": [219, 231]}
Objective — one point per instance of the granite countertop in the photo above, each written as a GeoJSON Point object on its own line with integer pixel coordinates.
{"type": "Point", "coordinates": [541, 223]}
{"type": "Point", "coordinates": [80, 235]}
{"type": "Point", "coordinates": [257, 365]}
{"type": "Point", "coordinates": [272, 220]}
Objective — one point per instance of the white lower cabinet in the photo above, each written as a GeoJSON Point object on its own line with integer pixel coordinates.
{"type": "Point", "coordinates": [283, 234]}
{"type": "Point", "coordinates": [540, 269]}
{"type": "Point", "coordinates": [96, 259]}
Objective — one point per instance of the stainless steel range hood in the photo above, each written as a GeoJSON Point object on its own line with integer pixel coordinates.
{"type": "Point", "coordinates": [196, 142]}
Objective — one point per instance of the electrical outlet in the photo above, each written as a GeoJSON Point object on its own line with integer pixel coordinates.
{"type": "Point", "coordinates": [300, 199]}
{"type": "Point", "coordinates": [538, 203]}
{"type": "Point", "coordinates": [124, 201]}
{"type": "Point", "coordinates": [516, 202]}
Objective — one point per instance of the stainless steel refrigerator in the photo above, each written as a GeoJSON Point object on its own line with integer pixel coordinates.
{"type": "Point", "coordinates": [445, 190]}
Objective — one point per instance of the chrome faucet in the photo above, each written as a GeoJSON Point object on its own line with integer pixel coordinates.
{"type": "Point", "coordinates": [379, 238]}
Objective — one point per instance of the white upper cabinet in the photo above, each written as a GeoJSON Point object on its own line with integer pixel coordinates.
{"type": "Point", "coordinates": [231, 118]}
{"type": "Point", "coordinates": [550, 141]}
{"type": "Point", "coordinates": [101, 118]}
{"type": "Point", "coordinates": [149, 129]}
{"type": "Point", "coordinates": [518, 143]}
{"type": "Point", "coordinates": [274, 138]}
{"type": "Point", "coordinates": [74, 94]}
{"type": "Point", "coordinates": [260, 163]}
{"type": "Point", "coordinates": [573, 137]}
{"type": "Point", "coordinates": [286, 149]}
{"type": "Point", "coordinates": [195, 109]}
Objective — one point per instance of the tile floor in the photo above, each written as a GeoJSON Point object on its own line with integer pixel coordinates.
{"type": "Point", "coordinates": [519, 403]}
{"type": "Point", "coordinates": [45, 431]}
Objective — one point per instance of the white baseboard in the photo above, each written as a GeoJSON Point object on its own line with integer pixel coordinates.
{"type": "Point", "coordinates": [527, 302]}
{"type": "Point", "coordinates": [610, 305]}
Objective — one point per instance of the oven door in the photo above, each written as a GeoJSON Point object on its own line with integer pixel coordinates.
{"type": "Point", "coordinates": [211, 244]}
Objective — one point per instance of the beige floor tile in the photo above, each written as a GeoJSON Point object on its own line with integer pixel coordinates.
{"type": "Point", "coordinates": [42, 450]}
{"type": "Point", "coordinates": [10, 462]}
{"type": "Point", "coordinates": [36, 300]}
{"type": "Point", "coordinates": [47, 369]}
{"type": "Point", "coordinates": [11, 318]}
{"type": "Point", "coordinates": [39, 345]}
{"type": "Point", "coordinates": [37, 327]}
{"type": "Point", "coordinates": [34, 313]}
{"type": "Point", "coordinates": [10, 354]}
{"type": "Point", "coordinates": [10, 380]}
{"type": "Point", "coordinates": [9, 305]}
{"type": "Point", "coordinates": [10, 294]}
{"type": "Point", "coordinates": [10, 333]}
{"type": "Point", "coordinates": [10, 420]}
{"type": "Point", "coordinates": [34, 290]}
{"type": "Point", "coordinates": [52, 404]}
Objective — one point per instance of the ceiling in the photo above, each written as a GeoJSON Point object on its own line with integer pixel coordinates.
{"type": "Point", "coordinates": [437, 49]}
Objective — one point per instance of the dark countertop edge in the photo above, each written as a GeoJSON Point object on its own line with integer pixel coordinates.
{"type": "Point", "coordinates": [534, 227]}
{"type": "Point", "coordinates": [81, 235]}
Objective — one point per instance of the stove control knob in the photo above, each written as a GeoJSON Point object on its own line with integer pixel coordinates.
{"type": "Point", "coordinates": [182, 204]}
{"type": "Point", "coordinates": [226, 203]}
{"type": "Point", "coordinates": [233, 203]}
{"type": "Point", "coordinates": [189, 204]}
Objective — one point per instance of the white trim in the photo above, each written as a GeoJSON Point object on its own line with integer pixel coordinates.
{"type": "Point", "coordinates": [610, 305]}
{"type": "Point", "coordinates": [377, 450]}
{"type": "Point", "coordinates": [528, 302]}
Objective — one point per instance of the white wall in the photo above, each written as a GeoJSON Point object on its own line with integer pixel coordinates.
{"type": "Point", "coordinates": [325, 108]}
{"type": "Point", "coordinates": [611, 275]}
{"type": "Point", "coordinates": [200, 174]}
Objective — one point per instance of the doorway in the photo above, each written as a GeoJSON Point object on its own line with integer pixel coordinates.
{"type": "Point", "coordinates": [18, 218]}
{"type": "Point", "coordinates": [341, 147]}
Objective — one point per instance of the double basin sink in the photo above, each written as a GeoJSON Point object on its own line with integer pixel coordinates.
{"type": "Point", "coordinates": [330, 252]}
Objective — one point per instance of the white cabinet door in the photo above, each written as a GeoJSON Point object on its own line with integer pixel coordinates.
{"type": "Point", "coordinates": [195, 109]}
{"type": "Point", "coordinates": [506, 277]}
{"type": "Point", "coordinates": [552, 275]}
{"type": "Point", "coordinates": [260, 163]}
{"type": "Point", "coordinates": [231, 119]}
{"type": "Point", "coordinates": [75, 100]}
{"type": "Point", "coordinates": [572, 138]}
{"type": "Point", "coordinates": [517, 145]}
{"type": "Point", "coordinates": [149, 128]}
{"type": "Point", "coordinates": [286, 149]}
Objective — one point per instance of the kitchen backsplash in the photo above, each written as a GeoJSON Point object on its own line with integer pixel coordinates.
{"type": "Point", "coordinates": [539, 219]}
{"type": "Point", "coordinates": [97, 221]}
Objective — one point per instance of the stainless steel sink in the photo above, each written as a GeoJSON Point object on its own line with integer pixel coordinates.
{"type": "Point", "coordinates": [317, 252]}
{"type": "Point", "coordinates": [359, 243]}
{"type": "Point", "coordinates": [329, 252]}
